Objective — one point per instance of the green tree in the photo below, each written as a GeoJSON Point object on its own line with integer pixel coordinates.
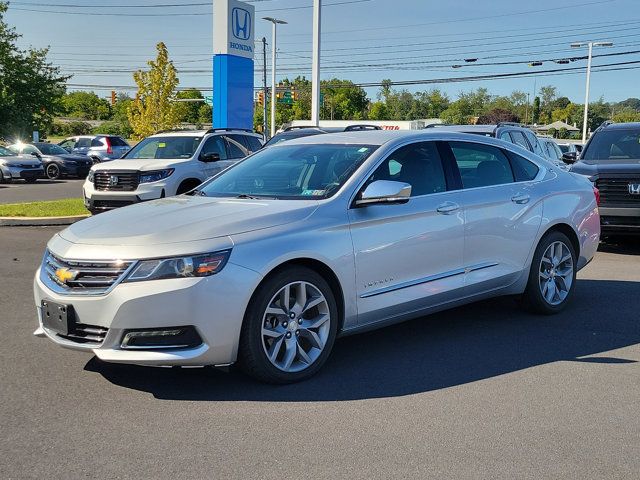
{"type": "Point", "coordinates": [188, 112]}
{"type": "Point", "coordinates": [552, 132]}
{"type": "Point", "coordinates": [626, 115]}
{"type": "Point", "coordinates": [86, 106]}
{"type": "Point", "coordinates": [536, 111]}
{"type": "Point", "coordinates": [30, 87]}
{"type": "Point", "coordinates": [563, 133]}
{"type": "Point", "coordinates": [154, 107]}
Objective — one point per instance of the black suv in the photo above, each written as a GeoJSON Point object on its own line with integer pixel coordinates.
{"type": "Point", "coordinates": [611, 160]}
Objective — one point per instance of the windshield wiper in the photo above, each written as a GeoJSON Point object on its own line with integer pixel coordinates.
{"type": "Point", "coordinates": [198, 193]}
{"type": "Point", "coordinates": [250, 197]}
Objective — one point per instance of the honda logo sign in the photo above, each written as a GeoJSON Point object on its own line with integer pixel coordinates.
{"type": "Point", "coordinates": [233, 28]}
{"type": "Point", "coordinates": [241, 23]}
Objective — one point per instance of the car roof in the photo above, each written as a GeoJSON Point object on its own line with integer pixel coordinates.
{"type": "Point", "coordinates": [200, 133]}
{"type": "Point", "coordinates": [486, 129]}
{"type": "Point", "coordinates": [622, 126]}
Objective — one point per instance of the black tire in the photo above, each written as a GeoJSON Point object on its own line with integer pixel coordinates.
{"type": "Point", "coordinates": [53, 171]}
{"type": "Point", "coordinates": [533, 298]}
{"type": "Point", "coordinates": [252, 357]}
{"type": "Point", "coordinates": [1, 177]}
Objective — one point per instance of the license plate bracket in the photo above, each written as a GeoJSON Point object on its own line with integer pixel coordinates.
{"type": "Point", "coordinates": [58, 317]}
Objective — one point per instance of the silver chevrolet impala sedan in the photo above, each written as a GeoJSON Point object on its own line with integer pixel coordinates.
{"type": "Point", "coordinates": [268, 262]}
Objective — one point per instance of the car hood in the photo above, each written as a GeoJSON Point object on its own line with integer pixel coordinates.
{"type": "Point", "coordinates": [144, 164]}
{"type": "Point", "coordinates": [185, 219]}
{"type": "Point", "coordinates": [596, 167]}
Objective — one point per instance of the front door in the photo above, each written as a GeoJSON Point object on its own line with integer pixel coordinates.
{"type": "Point", "coordinates": [408, 256]}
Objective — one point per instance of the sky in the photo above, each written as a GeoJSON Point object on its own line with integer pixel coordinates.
{"type": "Point", "coordinates": [100, 42]}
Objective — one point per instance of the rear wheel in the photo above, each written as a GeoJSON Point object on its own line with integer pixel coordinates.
{"type": "Point", "coordinates": [552, 276]}
{"type": "Point", "coordinates": [53, 171]}
{"type": "Point", "coordinates": [289, 327]}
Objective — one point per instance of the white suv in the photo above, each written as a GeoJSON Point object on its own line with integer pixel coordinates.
{"type": "Point", "coordinates": [166, 164]}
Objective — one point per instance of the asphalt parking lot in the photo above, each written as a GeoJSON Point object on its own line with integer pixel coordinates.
{"type": "Point", "coordinates": [20, 191]}
{"type": "Point", "coordinates": [483, 391]}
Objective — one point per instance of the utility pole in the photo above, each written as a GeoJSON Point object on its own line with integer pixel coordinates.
{"type": "Point", "coordinates": [315, 70]}
{"type": "Point", "coordinates": [264, 88]}
{"type": "Point", "coordinates": [274, 22]}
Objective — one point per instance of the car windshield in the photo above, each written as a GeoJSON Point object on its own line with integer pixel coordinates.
{"type": "Point", "coordinates": [23, 149]}
{"type": "Point", "coordinates": [5, 152]}
{"type": "Point", "coordinates": [165, 147]}
{"type": "Point", "coordinates": [614, 144]}
{"type": "Point", "coordinates": [51, 149]}
{"type": "Point", "coordinates": [298, 172]}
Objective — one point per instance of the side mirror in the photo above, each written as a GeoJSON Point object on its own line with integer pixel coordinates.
{"type": "Point", "coordinates": [35, 154]}
{"type": "Point", "coordinates": [384, 191]}
{"type": "Point", "coordinates": [209, 157]}
{"type": "Point", "coordinates": [570, 157]}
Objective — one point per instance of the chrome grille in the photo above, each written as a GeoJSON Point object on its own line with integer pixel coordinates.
{"type": "Point", "coordinates": [89, 334]}
{"type": "Point", "coordinates": [615, 191]}
{"type": "Point", "coordinates": [116, 181]}
{"type": "Point", "coordinates": [85, 277]}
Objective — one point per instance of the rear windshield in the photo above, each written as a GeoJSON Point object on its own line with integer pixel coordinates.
{"type": "Point", "coordinates": [564, 148]}
{"type": "Point", "coordinates": [165, 147]}
{"type": "Point", "coordinates": [283, 137]}
{"type": "Point", "coordinates": [613, 144]}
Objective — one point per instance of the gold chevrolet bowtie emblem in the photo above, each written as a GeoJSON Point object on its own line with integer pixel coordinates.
{"type": "Point", "coordinates": [64, 275]}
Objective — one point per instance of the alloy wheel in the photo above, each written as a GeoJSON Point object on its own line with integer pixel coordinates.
{"type": "Point", "coordinates": [295, 326]}
{"type": "Point", "coordinates": [556, 273]}
{"type": "Point", "coordinates": [53, 171]}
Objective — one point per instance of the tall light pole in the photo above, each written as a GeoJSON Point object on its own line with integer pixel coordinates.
{"type": "Point", "coordinates": [264, 87]}
{"type": "Point", "coordinates": [275, 22]}
{"type": "Point", "coordinates": [586, 96]}
{"type": "Point", "coordinates": [315, 69]}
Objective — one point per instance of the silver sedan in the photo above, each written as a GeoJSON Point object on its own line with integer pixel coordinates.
{"type": "Point", "coordinates": [269, 261]}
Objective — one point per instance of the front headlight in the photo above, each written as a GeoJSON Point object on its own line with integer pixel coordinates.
{"type": "Point", "coordinates": [202, 265]}
{"type": "Point", "coordinates": [90, 176]}
{"type": "Point", "coordinates": [155, 175]}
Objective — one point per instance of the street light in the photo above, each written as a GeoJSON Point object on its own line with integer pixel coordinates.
{"type": "Point", "coordinates": [275, 22]}
{"type": "Point", "coordinates": [315, 67]}
{"type": "Point", "coordinates": [586, 97]}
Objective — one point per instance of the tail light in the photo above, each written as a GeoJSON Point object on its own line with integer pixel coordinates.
{"type": "Point", "coordinates": [596, 192]}
{"type": "Point", "coordinates": [109, 148]}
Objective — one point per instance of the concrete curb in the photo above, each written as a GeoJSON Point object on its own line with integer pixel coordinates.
{"type": "Point", "coordinates": [39, 221]}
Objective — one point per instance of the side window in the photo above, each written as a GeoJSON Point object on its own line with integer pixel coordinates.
{"type": "Point", "coordinates": [236, 148]}
{"type": "Point", "coordinates": [523, 169]}
{"type": "Point", "coordinates": [96, 142]}
{"type": "Point", "coordinates": [535, 143]}
{"type": "Point", "coordinates": [481, 165]}
{"type": "Point", "coordinates": [254, 143]}
{"type": "Point", "coordinates": [215, 144]}
{"type": "Point", "coordinates": [418, 164]}
{"type": "Point", "coordinates": [505, 136]}
{"type": "Point", "coordinates": [518, 139]}
{"type": "Point", "coordinates": [68, 144]}
{"type": "Point", "coordinates": [83, 143]}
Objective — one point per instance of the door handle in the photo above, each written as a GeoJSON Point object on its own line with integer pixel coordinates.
{"type": "Point", "coordinates": [447, 208]}
{"type": "Point", "coordinates": [520, 198]}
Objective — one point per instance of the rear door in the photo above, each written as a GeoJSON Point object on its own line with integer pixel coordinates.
{"type": "Point", "coordinates": [409, 255]}
{"type": "Point", "coordinates": [502, 213]}
{"type": "Point", "coordinates": [82, 145]}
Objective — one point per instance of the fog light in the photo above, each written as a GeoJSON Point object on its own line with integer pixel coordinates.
{"type": "Point", "coordinates": [153, 339]}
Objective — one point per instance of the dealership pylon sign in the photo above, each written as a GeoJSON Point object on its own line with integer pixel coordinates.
{"type": "Point", "coordinates": [233, 49]}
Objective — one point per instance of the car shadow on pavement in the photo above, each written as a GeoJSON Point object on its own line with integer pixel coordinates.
{"type": "Point", "coordinates": [467, 344]}
{"type": "Point", "coordinates": [621, 245]}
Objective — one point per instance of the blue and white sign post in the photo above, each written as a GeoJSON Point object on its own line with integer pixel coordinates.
{"type": "Point", "coordinates": [233, 45]}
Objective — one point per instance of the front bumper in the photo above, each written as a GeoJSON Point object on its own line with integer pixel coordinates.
{"type": "Point", "coordinates": [80, 171]}
{"type": "Point", "coordinates": [214, 305]}
{"type": "Point", "coordinates": [20, 173]}
{"type": "Point", "coordinates": [102, 200]}
{"type": "Point", "coordinates": [620, 220]}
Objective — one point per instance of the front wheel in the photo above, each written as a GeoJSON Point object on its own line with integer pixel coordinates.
{"type": "Point", "coordinates": [289, 327]}
{"type": "Point", "coordinates": [53, 171]}
{"type": "Point", "coordinates": [552, 276]}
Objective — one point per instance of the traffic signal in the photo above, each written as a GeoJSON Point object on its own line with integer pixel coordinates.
{"type": "Point", "coordinates": [261, 98]}
{"type": "Point", "coordinates": [294, 94]}
{"type": "Point", "coordinates": [113, 97]}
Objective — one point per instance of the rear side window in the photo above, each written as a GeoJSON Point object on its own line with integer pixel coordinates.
{"type": "Point", "coordinates": [117, 142]}
{"type": "Point", "coordinates": [505, 136]}
{"type": "Point", "coordinates": [523, 169]}
{"type": "Point", "coordinates": [518, 139]}
{"type": "Point", "coordinates": [481, 165]}
{"type": "Point", "coordinates": [96, 142]}
{"type": "Point", "coordinates": [83, 142]}
{"type": "Point", "coordinates": [533, 140]}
